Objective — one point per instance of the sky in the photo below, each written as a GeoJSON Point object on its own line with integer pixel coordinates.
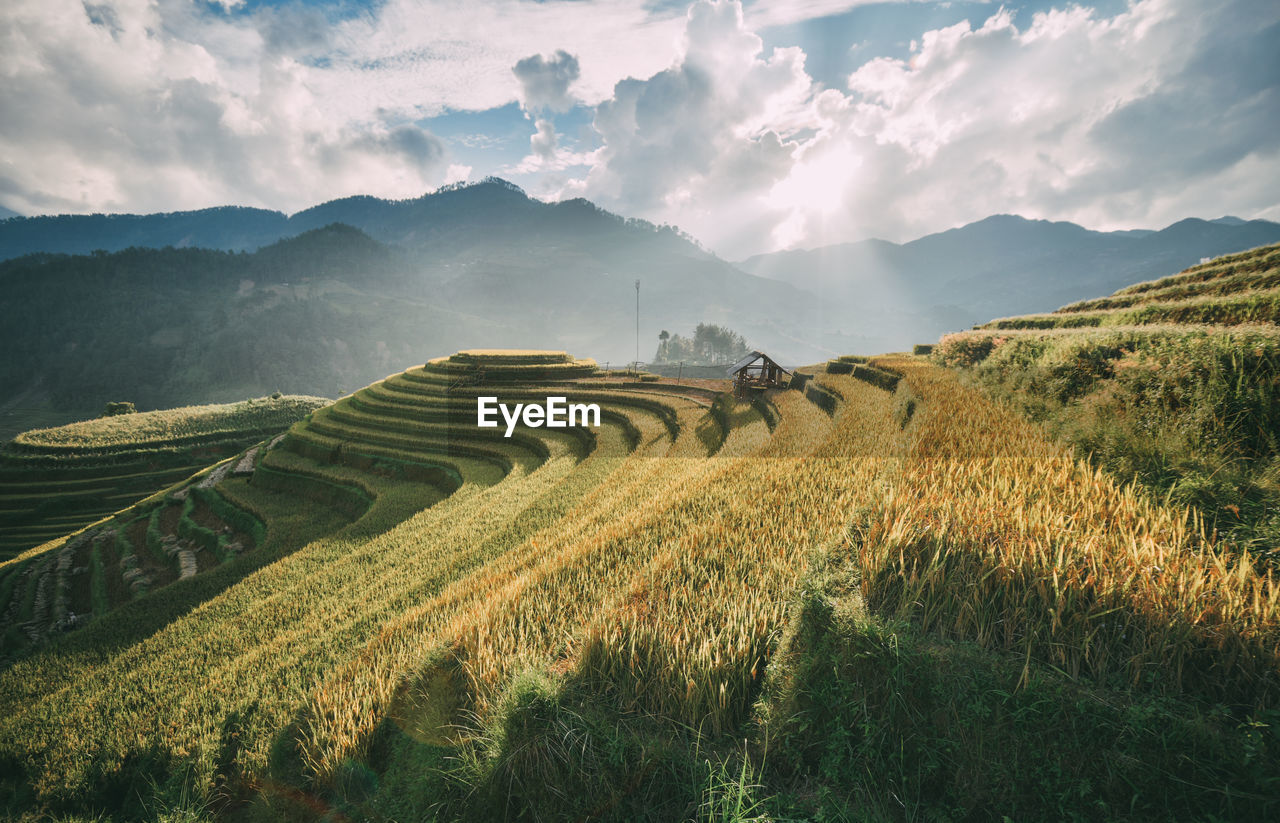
{"type": "Point", "coordinates": [754, 125]}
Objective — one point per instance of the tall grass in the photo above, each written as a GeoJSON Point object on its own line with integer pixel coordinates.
{"type": "Point", "coordinates": [997, 535]}
{"type": "Point", "coordinates": [1192, 413]}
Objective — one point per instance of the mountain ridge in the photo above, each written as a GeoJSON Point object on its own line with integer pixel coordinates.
{"type": "Point", "coordinates": [332, 309]}
{"type": "Point", "coordinates": [420, 223]}
{"type": "Point", "coordinates": [561, 274]}
{"type": "Point", "coordinates": [900, 293]}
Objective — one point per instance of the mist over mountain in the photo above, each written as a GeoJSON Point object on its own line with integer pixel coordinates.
{"type": "Point", "coordinates": [332, 309]}
{"type": "Point", "coordinates": [899, 294]}
{"type": "Point", "coordinates": [334, 297]}
{"type": "Point", "coordinates": [5, 214]}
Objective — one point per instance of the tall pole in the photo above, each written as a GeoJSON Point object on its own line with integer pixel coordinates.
{"type": "Point", "coordinates": [637, 324]}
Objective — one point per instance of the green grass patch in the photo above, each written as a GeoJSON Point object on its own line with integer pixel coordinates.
{"type": "Point", "coordinates": [99, 599]}
{"type": "Point", "coordinates": [1192, 414]}
{"type": "Point", "coordinates": [1233, 290]}
{"type": "Point", "coordinates": [865, 719]}
{"type": "Point", "coordinates": [182, 425]}
{"type": "Point", "coordinates": [234, 516]}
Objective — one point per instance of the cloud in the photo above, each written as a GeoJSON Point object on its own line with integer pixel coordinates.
{"type": "Point", "coordinates": [1166, 110]}
{"type": "Point", "coordinates": [544, 82]}
{"type": "Point", "coordinates": [543, 144]}
{"type": "Point", "coordinates": [703, 142]}
{"type": "Point", "coordinates": [426, 57]}
{"type": "Point", "coordinates": [133, 106]}
{"type": "Point", "coordinates": [547, 155]}
{"type": "Point", "coordinates": [544, 88]}
{"type": "Point", "coordinates": [763, 14]}
{"type": "Point", "coordinates": [412, 146]}
{"type": "Point", "coordinates": [145, 105]}
{"type": "Point", "coordinates": [1110, 122]}
{"type": "Point", "coordinates": [457, 173]}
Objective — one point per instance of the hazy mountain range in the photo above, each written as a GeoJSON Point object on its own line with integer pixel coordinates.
{"type": "Point", "coordinates": [333, 308]}
{"type": "Point", "coordinates": [913, 292]}
{"type": "Point", "coordinates": [224, 303]}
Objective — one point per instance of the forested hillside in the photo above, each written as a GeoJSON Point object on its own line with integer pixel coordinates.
{"type": "Point", "coordinates": [438, 223]}
{"type": "Point", "coordinates": [318, 314]}
{"type": "Point", "coordinates": [332, 309]}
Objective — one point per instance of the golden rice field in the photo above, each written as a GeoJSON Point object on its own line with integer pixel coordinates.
{"type": "Point", "coordinates": [414, 566]}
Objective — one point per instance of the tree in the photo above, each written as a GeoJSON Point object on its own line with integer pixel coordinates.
{"type": "Point", "coordinates": [663, 337]}
{"type": "Point", "coordinates": [710, 345]}
{"type": "Point", "coordinates": [123, 407]}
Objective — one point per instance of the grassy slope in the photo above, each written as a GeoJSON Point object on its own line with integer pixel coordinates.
{"type": "Point", "coordinates": [1188, 409]}
{"type": "Point", "coordinates": [583, 629]}
{"type": "Point", "coordinates": [165, 426]}
{"type": "Point", "coordinates": [1230, 290]}
{"type": "Point", "coordinates": [57, 480]}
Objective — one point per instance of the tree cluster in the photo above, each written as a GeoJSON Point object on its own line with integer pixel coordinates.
{"type": "Point", "coordinates": [710, 345]}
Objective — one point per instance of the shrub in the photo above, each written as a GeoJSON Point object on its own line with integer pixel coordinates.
{"type": "Point", "coordinates": [963, 349]}
{"type": "Point", "coordinates": [122, 407]}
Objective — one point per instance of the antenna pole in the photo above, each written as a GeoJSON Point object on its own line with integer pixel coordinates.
{"type": "Point", "coordinates": [637, 324]}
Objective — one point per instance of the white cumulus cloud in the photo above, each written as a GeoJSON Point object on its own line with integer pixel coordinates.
{"type": "Point", "coordinates": [1167, 110]}
{"type": "Point", "coordinates": [137, 106]}
{"type": "Point", "coordinates": [156, 105]}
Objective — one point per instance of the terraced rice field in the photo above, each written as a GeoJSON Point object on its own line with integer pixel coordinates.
{"type": "Point", "coordinates": [55, 481]}
{"type": "Point", "coordinates": [1226, 291]}
{"type": "Point", "coordinates": [169, 536]}
{"type": "Point", "coordinates": [412, 566]}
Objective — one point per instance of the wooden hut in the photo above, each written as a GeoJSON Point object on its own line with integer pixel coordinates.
{"type": "Point", "coordinates": [755, 372]}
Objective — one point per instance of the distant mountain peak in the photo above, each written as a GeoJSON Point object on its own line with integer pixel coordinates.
{"type": "Point", "coordinates": [1004, 217]}
{"type": "Point", "coordinates": [498, 181]}
{"type": "Point", "coordinates": [1229, 220]}
{"type": "Point", "coordinates": [487, 182]}
{"type": "Point", "coordinates": [343, 230]}
{"type": "Point", "coordinates": [1018, 220]}
{"type": "Point", "coordinates": [5, 214]}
